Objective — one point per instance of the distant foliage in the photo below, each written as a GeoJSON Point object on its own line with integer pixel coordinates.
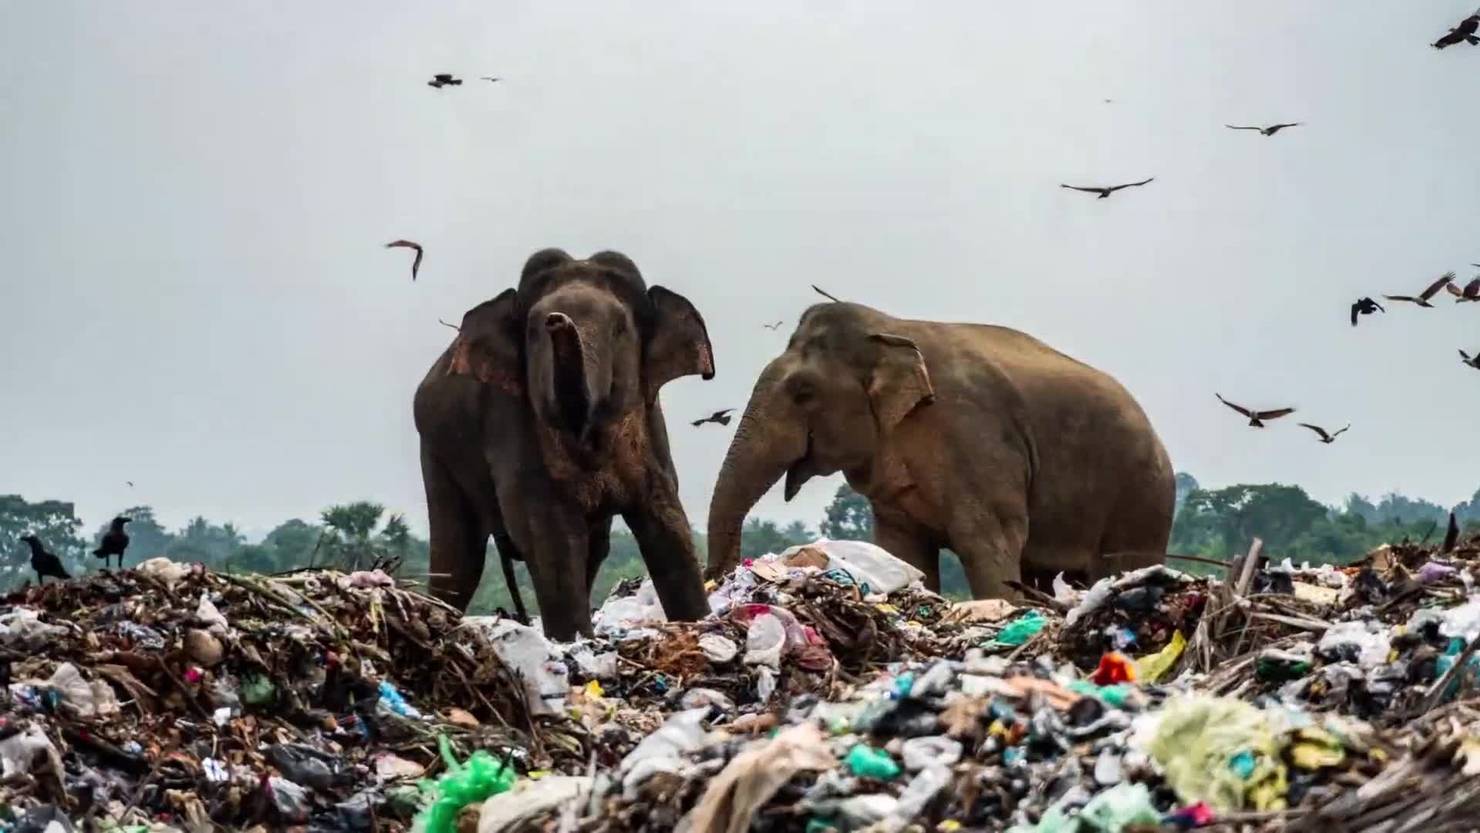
{"type": "Point", "coordinates": [850, 517]}
{"type": "Point", "coordinates": [55, 522]}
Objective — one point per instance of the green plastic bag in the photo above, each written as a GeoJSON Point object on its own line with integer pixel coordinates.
{"type": "Point", "coordinates": [480, 777]}
{"type": "Point", "coordinates": [1021, 629]}
{"type": "Point", "coordinates": [867, 762]}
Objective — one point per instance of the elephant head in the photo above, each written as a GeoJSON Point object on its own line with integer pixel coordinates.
{"type": "Point", "coordinates": [825, 405]}
{"type": "Point", "coordinates": [584, 340]}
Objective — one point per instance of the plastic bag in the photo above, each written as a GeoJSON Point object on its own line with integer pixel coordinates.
{"type": "Point", "coordinates": [660, 751]}
{"type": "Point", "coordinates": [392, 699]}
{"type": "Point", "coordinates": [938, 750]}
{"type": "Point", "coordinates": [529, 800]}
{"type": "Point", "coordinates": [29, 751]}
{"type": "Point", "coordinates": [732, 798]}
{"type": "Point", "coordinates": [85, 699]}
{"type": "Point", "coordinates": [1219, 750]}
{"type": "Point", "coordinates": [867, 762]}
{"type": "Point", "coordinates": [163, 569]}
{"type": "Point", "coordinates": [288, 799]}
{"type": "Point", "coordinates": [526, 651]}
{"type": "Point", "coordinates": [465, 783]}
{"type": "Point", "coordinates": [1021, 629]}
{"type": "Point", "coordinates": [22, 629]}
{"type": "Point", "coordinates": [1119, 807]}
{"type": "Point", "coordinates": [764, 641]}
{"type": "Point", "coordinates": [872, 568]}
{"type": "Point", "coordinates": [626, 612]}
{"type": "Point", "coordinates": [717, 648]}
{"type": "Point", "coordinates": [304, 765]}
{"type": "Point", "coordinates": [1152, 667]}
{"type": "Point", "coordinates": [1365, 642]}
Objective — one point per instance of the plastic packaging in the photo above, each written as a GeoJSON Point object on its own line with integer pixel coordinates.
{"type": "Point", "coordinates": [83, 698]}
{"type": "Point", "coordinates": [392, 699]}
{"type": "Point", "coordinates": [29, 751]}
{"type": "Point", "coordinates": [1021, 629]}
{"type": "Point", "coordinates": [288, 799]}
{"type": "Point", "coordinates": [867, 762]}
{"type": "Point", "coordinates": [475, 780]}
{"type": "Point", "coordinates": [660, 751]}
{"type": "Point", "coordinates": [698, 698]}
{"type": "Point", "coordinates": [529, 800]}
{"type": "Point", "coordinates": [872, 568]}
{"type": "Point", "coordinates": [1219, 750]}
{"type": "Point", "coordinates": [527, 652]}
{"type": "Point", "coordinates": [718, 649]}
{"type": "Point", "coordinates": [938, 750]}
{"type": "Point", "coordinates": [163, 569]}
{"type": "Point", "coordinates": [22, 629]}
{"type": "Point", "coordinates": [764, 641]}
{"type": "Point", "coordinates": [1366, 643]}
{"type": "Point", "coordinates": [1114, 667]}
{"type": "Point", "coordinates": [1153, 667]}
{"type": "Point", "coordinates": [626, 612]}
{"type": "Point", "coordinates": [1121, 806]}
{"type": "Point", "coordinates": [304, 765]}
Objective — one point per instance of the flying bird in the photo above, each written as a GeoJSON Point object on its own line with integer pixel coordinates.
{"type": "Point", "coordinates": [1266, 131]}
{"type": "Point", "coordinates": [43, 562]}
{"type": "Point", "coordinates": [444, 79]}
{"type": "Point", "coordinates": [718, 418]}
{"type": "Point", "coordinates": [1325, 438]}
{"type": "Point", "coordinates": [490, 78]}
{"type": "Point", "coordinates": [1365, 306]}
{"type": "Point", "coordinates": [1463, 33]}
{"type": "Point", "coordinates": [775, 326]}
{"type": "Point", "coordinates": [824, 293]}
{"type": "Point", "coordinates": [1472, 361]}
{"type": "Point", "coordinates": [130, 483]}
{"type": "Point", "coordinates": [445, 324]}
{"type": "Point", "coordinates": [1470, 293]}
{"type": "Point", "coordinates": [407, 244]}
{"type": "Point", "coordinates": [114, 542]}
{"type": "Point", "coordinates": [1105, 192]}
{"type": "Point", "coordinates": [1423, 297]}
{"type": "Point", "coordinates": [1256, 418]}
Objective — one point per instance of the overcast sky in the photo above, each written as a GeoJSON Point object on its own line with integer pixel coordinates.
{"type": "Point", "coordinates": [193, 200]}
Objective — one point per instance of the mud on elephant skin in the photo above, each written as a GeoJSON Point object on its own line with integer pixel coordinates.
{"type": "Point", "coordinates": [976, 438]}
{"type": "Point", "coordinates": [540, 423]}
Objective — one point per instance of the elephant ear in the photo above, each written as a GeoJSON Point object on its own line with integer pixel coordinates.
{"type": "Point", "coordinates": [487, 344]}
{"type": "Point", "coordinates": [900, 381]}
{"type": "Point", "coordinates": [679, 345]}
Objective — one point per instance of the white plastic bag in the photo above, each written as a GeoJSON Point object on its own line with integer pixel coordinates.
{"type": "Point", "coordinates": [526, 651]}
{"type": "Point", "coordinates": [627, 612]}
{"type": "Point", "coordinates": [764, 641]}
{"type": "Point", "coordinates": [661, 751]}
{"type": "Point", "coordinates": [872, 567]}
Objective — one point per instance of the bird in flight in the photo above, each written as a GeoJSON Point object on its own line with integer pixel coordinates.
{"type": "Point", "coordinates": [1423, 297]}
{"type": "Point", "coordinates": [718, 418]}
{"type": "Point", "coordinates": [45, 563]}
{"type": "Point", "coordinates": [1472, 361]}
{"type": "Point", "coordinates": [445, 324]}
{"type": "Point", "coordinates": [775, 326]}
{"type": "Point", "coordinates": [824, 293]}
{"type": "Point", "coordinates": [1256, 418]}
{"type": "Point", "coordinates": [1463, 33]}
{"type": "Point", "coordinates": [1365, 306]}
{"type": "Point", "coordinates": [490, 78]}
{"type": "Point", "coordinates": [1266, 131]}
{"type": "Point", "coordinates": [1105, 192]}
{"type": "Point", "coordinates": [1325, 438]}
{"type": "Point", "coordinates": [444, 79]}
{"type": "Point", "coordinates": [1470, 293]}
{"type": "Point", "coordinates": [407, 244]}
{"type": "Point", "coordinates": [130, 483]}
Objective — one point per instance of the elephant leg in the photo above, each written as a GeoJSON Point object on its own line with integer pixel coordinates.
{"type": "Point", "coordinates": [598, 546]}
{"type": "Point", "coordinates": [551, 535]}
{"type": "Point", "coordinates": [508, 553]}
{"type": "Point", "coordinates": [991, 552]}
{"type": "Point", "coordinates": [667, 544]}
{"type": "Point", "coordinates": [457, 538]}
{"type": "Point", "coordinates": [910, 544]}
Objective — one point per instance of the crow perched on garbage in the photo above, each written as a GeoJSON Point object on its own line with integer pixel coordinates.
{"type": "Point", "coordinates": [1264, 131]}
{"type": "Point", "coordinates": [1105, 192]}
{"type": "Point", "coordinates": [114, 542]}
{"type": "Point", "coordinates": [1325, 438]}
{"type": "Point", "coordinates": [718, 418]}
{"type": "Point", "coordinates": [1256, 418]}
{"type": "Point", "coordinates": [1423, 297]}
{"type": "Point", "coordinates": [1463, 33]}
{"type": "Point", "coordinates": [1365, 306]}
{"type": "Point", "coordinates": [45, 563]}
{"type": "Point", "coordinates": [444, 79]}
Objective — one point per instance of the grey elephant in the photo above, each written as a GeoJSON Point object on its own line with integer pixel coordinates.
{"type": "Point", "coordinates": [979, 439]}
{"type": "Point", "coordinates": [541, 422]}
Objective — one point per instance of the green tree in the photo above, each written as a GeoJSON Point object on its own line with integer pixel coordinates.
{"type": "Point", "coordinates": [850, 517]}
{"type": "Point", "coordinates": [293, 544]}
{"type": "Point", "coordinates": [349, 530]}
{"type": "Point", "coordinates": [55, 522]}
{"type": "Point", "coordinates": [204, 541]}
{"type": "Point", "coordinates": [760, 537]}
{"type": "Point", "coordinates": [1227, 519]}
{"type": "Point", "coordinates": [1186, 484]}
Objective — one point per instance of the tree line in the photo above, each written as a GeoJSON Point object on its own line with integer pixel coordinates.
{"type": "Point", "coordinates": [361, 534]}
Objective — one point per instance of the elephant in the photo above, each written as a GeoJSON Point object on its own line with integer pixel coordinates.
{"type": "Point", "coordinates": [540, 423]}
{"type": "Point", "coordinates": [976, 438]}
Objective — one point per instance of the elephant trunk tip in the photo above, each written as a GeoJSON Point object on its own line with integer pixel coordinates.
{"type": "Point", "coordinates": [556, 321]}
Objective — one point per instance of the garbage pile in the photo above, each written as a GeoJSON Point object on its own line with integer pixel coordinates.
{"type": "Point", "coordinates": [827, 690]}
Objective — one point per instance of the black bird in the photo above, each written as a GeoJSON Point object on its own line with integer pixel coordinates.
{"type": "Point", "coordinates": [1365, 306]}
{"type": "Point", "coordinates": [1463, 33]}
{"type": "Point", "coordinates": [824, 293]}
{"type": "Point", "coordinates": [490, 78]}
{"type": "Point", "coordinates": [130, 483]}
{"type": "Point", "coordinates": [1265, 131]}
{"type": "Point", "coordinates": [1423, 297]}
{"type": "Point", "coordinates": [1256, 418]}
{"type": "Point", "coordinates": [43, 562]}
{"type": "Point", "coordinates": [1470, 293]}
{"type": "Point", "coordinates": [1105, 192]}
{"type": "Point", "coordinates": [1451, 535]}
{"type": "Point", "coordinates": [1325, 438]}
{"type": "Point", "coordinates": [775, 326]}
{"type": "Point", "coordinates": [407, 244]}
{"type": "Point", "coordinates": [114, 542]}
{"type": "Point", "coordinates": [1472, 361]}
{"type": "Point", "coordinates": [718, 418]}
{"type": "Point", "coordinates": [444, 79]}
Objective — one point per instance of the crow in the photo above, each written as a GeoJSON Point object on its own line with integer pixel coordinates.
{"type": "Point", "coordinates": [1105, 192]}
{"type": "Point", "coordinates": [775, 326]}
{"type": "Point", "coordinates": [43, 562]}
{"type": "Point", "coordinates": [114, 542]}
{"type": "Point", "coordinates": [1423, 297]}
{"type": "Point", "coordinates": [407, 244]}
{"type": "Point", "coordinates": [1325, 438]}
{"type": "Point", "coordinates": [1365, 306]}
{"type": "Point", "coordinates": [1256, 418]}
{"type": "Point", "coordinates": [1265, 131]}
{"type": "Point", "coordinates": [824, 293]}
{"type": "Point", "coordinates": [1463, 33]}
{"type": "Point", "coordinates": [1472, 361]}
{"type": "Point", "coordinates": [718, 418]}
{"type": "Point", "coordinates": [1470, 293]}
{"type": "Point", "coordinates": [1451, 535]}
{"type": "Point", "coordinates": [444, 79]}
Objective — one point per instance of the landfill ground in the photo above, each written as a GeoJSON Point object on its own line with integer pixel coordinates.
{"type": "Point", "coordinates": [827, 691]}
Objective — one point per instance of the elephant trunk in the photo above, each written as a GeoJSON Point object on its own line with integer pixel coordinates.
{"type": "Point", "coordinates": [766, 443]}
{"type": "Point", "coordinates": [572, 374]}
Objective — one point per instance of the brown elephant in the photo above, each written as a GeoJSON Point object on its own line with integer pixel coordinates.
{"type": "Point", "coordinates": [541, 422]}
{"type": "Point", "coordinates": [975, 438]}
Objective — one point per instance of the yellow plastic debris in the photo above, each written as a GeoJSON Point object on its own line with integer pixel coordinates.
{"type": "Point", "coordinates": [948, 826]}
{"type": "Point", "coordinates": [594, 690]}
{"type": "Point", "coordinates": [1222, 751]}
{"type": "Point", "coordinates": [1151, 667]}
